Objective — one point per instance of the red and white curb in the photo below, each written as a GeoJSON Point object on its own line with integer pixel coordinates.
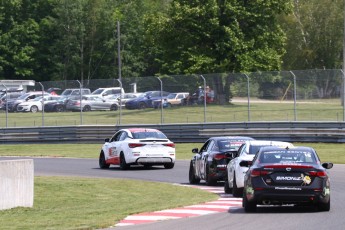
{"type": "Point", "coordinates": [225, 203]}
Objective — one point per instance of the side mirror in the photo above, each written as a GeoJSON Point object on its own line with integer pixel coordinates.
{"type": "Point", "coordinates": [327, 165]}
{"type": "Point", "coordinates": [195, 150]}
{"type": "Point", "coordinates": [246, 163]}
{"type": "Point", "coordinates": [106, 140]}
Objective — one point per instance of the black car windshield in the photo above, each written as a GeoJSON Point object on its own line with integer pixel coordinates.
{"type": "Point", "coordinates": [253, 149]}
{"type": "Point", "coordinates": [287, 156]}
{"type": "Point", "coordinates": [229, 144]}
{"type": "Point", "coordinates": [145, 135]}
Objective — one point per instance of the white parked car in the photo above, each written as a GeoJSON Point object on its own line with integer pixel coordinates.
{"type": "Point", "coordinates": [105, 93]}
{"type": "Point", "coordinates": [137, 146]}
{"type": "Point", "coordinates": [35, 105]}
{"type": "Point", "coordinates": [234, 180]}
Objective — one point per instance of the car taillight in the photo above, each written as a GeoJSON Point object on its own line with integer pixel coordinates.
{"type": "Point", "coordinates": [318, 173]}
{"type": "Point", "coordinates": [172, 145]}
{"type": "Point", "coordinates": [256, 172]}
{"type": "Point", "coordinates": [219, 156]}
{"type": "Point", "coordinates": [134, 145]}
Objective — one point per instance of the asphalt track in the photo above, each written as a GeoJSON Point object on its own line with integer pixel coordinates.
{"type": "Point", "coordinates": [265, 218]}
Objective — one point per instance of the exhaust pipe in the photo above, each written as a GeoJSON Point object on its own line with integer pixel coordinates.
{"type": "Point", "coordinates": [266, 202]}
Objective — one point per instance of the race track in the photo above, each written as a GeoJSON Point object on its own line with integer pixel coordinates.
{"type": "Point", "coordinates": [265, 218]}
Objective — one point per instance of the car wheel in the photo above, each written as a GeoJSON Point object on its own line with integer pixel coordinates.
{"type": "Point", "coordinates": [236, 192]}
{"type": "Point", "coordinates": [249, 206]}
{"type": "Point", "coordinates": [34, 109]}
{"type": "Point", "coordinates": [123, 163]}
{"type": "Point", "coordinates": [59, 108]}
{"type": "Point", "coordinates": [86, 108]}
{"type": "Point", "coordinates": [209, 180]}
{"type": "Point", "coordinates": [113, 107]}
{"type": "Point", "coordinates": [142, 105]}
{"type": "Point", "coordinates": [102, 163]}
{"type": "Point", "coordinates": [227, 190]}
{"type": "Point", "coordinates": [169, 165]}
{"type": "Point", "coordinates": [192, 178]}
{"type": "Point", "coordinates": [324, 207]}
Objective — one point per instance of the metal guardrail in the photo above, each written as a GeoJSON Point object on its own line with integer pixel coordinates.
{"type": "Point", "coordinates": [183, 133]}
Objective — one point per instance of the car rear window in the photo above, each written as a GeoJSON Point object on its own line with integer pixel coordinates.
{"type": "Point", "coordinates": [284, 156]}
{"type": "Point", "coordinates": [145, 135]}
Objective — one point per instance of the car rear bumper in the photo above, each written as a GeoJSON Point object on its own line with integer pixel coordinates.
{"type": "Point", "coordinates": [154, 160]}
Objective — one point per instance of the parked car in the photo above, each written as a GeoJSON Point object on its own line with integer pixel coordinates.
{"type": "Point", "coordinates": [235, 173]}
{"type": "Point", "coordinates": [9, 95]}
{"type": "Point", "coordinates": [90, 103]}
{"type": "Point", "coordinates": [35, 105]}
{"type": "Point", "coordinates": [12, 104]}
{"type": "Point", "coordinates": [137, 146]}
{"type": "Point", "coordinates": [280, 176]}
{"type": "Point", "coordinates": [209, 163]}
{"type": "Point", "coordinates": [55, 106]}
{"type": "Point", "coordinates": [125, 97]}
{"type": "Point", "coordinates": [173, 99]}
{"type": "Point", "coordinates": [108, 92]}
{"type": "Point", "coordinates": [75, 92]}
{"type": "Point", "coordinates": [146, 100]}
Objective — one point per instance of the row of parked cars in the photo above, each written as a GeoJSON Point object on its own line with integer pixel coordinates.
{"type": "Point", "coordinates": [82, 99]}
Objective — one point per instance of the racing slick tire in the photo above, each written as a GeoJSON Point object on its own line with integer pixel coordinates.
{"type": "Point", "coordinates": [236, 192]}
{"type": "Point", "coordinates": [192, 178]}
{"type": "Point", "coordinates": [209, 180]}
{"type": "Point", "coordinates": [324, 207]}
{"type": "Point", "coordinates": [249, 206]}
{"type": "Point", "coordinates": [169, 165]}
{"type": "Point", "coordinates": [227, 190]}
{"type": "Point", "coordinates": [123, 164]}
{"type": "Point", "coordinates": [102, 163]}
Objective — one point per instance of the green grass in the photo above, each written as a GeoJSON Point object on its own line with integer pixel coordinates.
{"type": "Point", "coordinates": [81, 203]}
{"type": "Point", "coordinates": [330, 110]}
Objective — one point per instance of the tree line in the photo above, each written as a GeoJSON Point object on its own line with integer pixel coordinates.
{"type": "Point", "coordinates": [48, 40]}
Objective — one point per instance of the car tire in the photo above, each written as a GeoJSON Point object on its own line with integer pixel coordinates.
{"type": "Point", "coordinates": [142, 105]}
{"type": "Point", "coordinates": [249, 206]}
{"type": "Point", "coordinates": [236, 192]}
{"type": "Point", "coordinates": [227, 189]}
{"type": "Point", "coordinates": [102, 163]}
{"type": "Point", "coordinates": [192, 177]}
{"type": "Point", "coordinates": [324, 207]}
{"type": "Point", "coordinates": [123, 163]}
{"type": "Point", "coordinates": [113, 107]}
{"type": "Point", "coordinates": [169, 165]}
{"type": "Point", "coordinates": [34, 109]}
{"type": "Point", "coordinates": [86, 108]}
{"type": "Point", "coordinates": [209, 180]}
{"type": "Point", "coordinates": [59, 108]}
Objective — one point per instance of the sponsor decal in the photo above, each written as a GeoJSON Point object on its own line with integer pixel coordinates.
{"type": "Point", "coordinates": [288, 188]}
{"type": "Point", "coordinates": [306, 179]}
{"type": "Point", "coordinates": [288, 178]}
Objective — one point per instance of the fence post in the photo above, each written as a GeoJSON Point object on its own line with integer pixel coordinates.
{"type": "Point", "coordinates": [248, 92]}
{"type": "Point", "coordinates": [343, 99]}
{"type": "Point", "coordinates": [42, 103]}
{"type": "Point", "coordinates": [294, 95]}
{"type": "Point", "coordinates": [81, 107]}
{"type": "Point", "coordinates": [204, 97]}
{"type": "Point", "coordinates": [160, 81]}
{"type": "Point", "coordinates": [6, 105]}
{"type": "Point", "coordinates": [120, 109]}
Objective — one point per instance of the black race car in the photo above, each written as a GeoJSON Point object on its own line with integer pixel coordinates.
{"type": "Point", "coordinates": [209, 163]}
{"type": "Point", "coordinates": [286, 176]}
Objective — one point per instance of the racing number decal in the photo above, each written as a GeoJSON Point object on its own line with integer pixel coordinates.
{"type": "Point", "coordinates": [113, 152]}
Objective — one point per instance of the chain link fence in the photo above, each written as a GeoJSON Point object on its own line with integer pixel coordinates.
{"type": "Point", "coordinates": [303, 95]}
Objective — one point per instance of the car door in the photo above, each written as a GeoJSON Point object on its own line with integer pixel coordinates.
{"type": "Point", "coordinates": [235, 162]}
{"type": "Point", "coordinates": [111, 148]}
{"type": "Point", "coordinates": [202, 158]}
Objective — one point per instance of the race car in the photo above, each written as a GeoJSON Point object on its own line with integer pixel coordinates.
{"type": "Point", "coordinates": [137, 146]}
{"type": "Point", "coordinates": [292, 176]}
{"type": "Point", "coordinates": [235, 174]}
{"type": "Point", "coordinates": [209, 163]}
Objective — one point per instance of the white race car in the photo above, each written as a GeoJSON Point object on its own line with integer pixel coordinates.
{"type": "Point", "coordinates": [234, 179]}
{"type": "Point", "coordinates": [137, 146]}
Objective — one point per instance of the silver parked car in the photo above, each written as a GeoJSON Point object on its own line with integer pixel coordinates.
{"type": "Point", "coordinates": [90, 103]}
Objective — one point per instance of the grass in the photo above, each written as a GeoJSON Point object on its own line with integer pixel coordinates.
{"type": "Point", "coordinates": [331, 110]}
{"type": "Point", "coordinates": [80, 203]}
